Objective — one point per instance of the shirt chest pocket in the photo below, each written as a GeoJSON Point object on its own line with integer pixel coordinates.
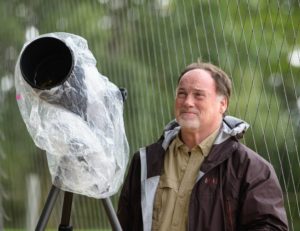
{"type": "Point", "coordinates": [164, 198]}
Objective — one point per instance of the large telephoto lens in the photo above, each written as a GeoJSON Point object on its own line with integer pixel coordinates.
{"type": "Point", "coordinates": [46, 63]}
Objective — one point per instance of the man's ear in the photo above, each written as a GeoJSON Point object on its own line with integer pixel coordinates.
{"type": "Point", "coordinates": [223, 104]}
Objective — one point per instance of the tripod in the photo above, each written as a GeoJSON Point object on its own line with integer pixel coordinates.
{"type": "Point", "coordinates": [66, 211]}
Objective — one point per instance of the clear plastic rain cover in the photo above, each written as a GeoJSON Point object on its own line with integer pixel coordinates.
{"type": "Point", "coordinates": [79, 124]}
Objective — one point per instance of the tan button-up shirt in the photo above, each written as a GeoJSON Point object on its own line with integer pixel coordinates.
{"type": "Point", "coordinates": [181, 168]}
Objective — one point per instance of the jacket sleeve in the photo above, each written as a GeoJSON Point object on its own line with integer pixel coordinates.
{"type": "Point", "coordinates": [129, 206]}
{"type": "Point", "coordinates": [262, 206]}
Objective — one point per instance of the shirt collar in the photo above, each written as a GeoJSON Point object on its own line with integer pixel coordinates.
{"type": "Point", "coordinates": [208, 142]}
{"type": "Point", "coordinates": [204, 146]}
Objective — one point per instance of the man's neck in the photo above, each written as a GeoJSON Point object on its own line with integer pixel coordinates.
{"type": "Point", "coordinates": [192, 138]}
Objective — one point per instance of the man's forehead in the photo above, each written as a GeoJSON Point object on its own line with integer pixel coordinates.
{"type": "Point", "coordinates": [196, 74]}
{"type": "Point", "coordinates": [197, 80]}
{"type": "Point", "coordinates": [197, 77]}
{"type": "Point", "coordinates": [197, 71]}
{"type": "Point", "coordinates": [191, 88]}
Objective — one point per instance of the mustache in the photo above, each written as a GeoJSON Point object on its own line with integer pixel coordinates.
{"type": "Point", "coordinates": [189, 111]}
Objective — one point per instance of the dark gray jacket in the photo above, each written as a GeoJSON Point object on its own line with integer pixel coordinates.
{"type": "Point", "coordinates": [236, 189]}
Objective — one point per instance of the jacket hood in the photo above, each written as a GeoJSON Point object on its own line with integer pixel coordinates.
{"type": "Point", "coordinates": [231, 127]}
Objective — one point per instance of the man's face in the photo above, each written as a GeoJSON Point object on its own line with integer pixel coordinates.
{"type": "Point", "coordinates": [197, 105]}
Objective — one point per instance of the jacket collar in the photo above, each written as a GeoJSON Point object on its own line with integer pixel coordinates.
{"type": "Point", "coordinates": [231, 130]}
{"type": "Point", "coordinates": [231, 127]}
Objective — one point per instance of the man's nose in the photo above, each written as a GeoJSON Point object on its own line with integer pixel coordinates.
{"type": "Point", "coordinates": [189, 100]}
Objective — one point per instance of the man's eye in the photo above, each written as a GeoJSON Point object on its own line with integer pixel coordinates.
{"type": "Point", "coordinates": [199, 95]}
{"type": "Point", "coordinates": [181, 94]}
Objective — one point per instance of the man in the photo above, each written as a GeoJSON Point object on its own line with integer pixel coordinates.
{"type": "Point", "coordinates": [198, 176]}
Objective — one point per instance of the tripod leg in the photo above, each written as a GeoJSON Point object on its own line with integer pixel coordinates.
{"type": "Point", "coordinates": [66, 213]}
{"type": "Point", "coordinates": [115, 224]}
{"type": "Point", "coordinates": [43, 220]}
